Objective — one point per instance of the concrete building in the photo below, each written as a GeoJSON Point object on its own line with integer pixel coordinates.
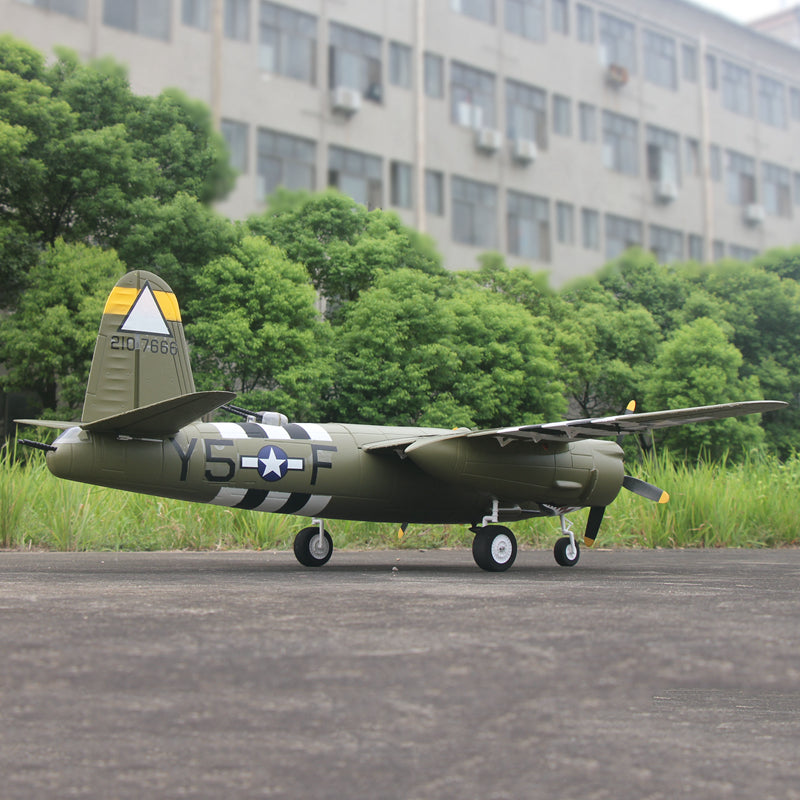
{"type": "Point", "coordinates": [783, 24]}
{"type": "Point", "coordinates": [555, 131]}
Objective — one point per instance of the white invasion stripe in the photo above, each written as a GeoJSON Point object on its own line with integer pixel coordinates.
{"type": "Point", "coordinates": [316, 504]}
{"type": "Point", "coordinates": [275, 432]}
{"type": "Point", "coordinates": [275, 501]}
{"type": "Point", "coordinates": [315, 431]}
{"type": "Point", "coordinates": [230, 430]}
{"type": "Point", "coordinates": [228, 496]}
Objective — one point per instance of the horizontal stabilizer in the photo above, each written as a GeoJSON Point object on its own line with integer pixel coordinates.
{"type": "Point", "coordinates": [163, 418]}
{"type": "Point", "coordinates": [48, 423]}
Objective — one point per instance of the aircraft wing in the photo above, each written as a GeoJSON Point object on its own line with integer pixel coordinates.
{"type": "Point", "coordinates": [598, 427]}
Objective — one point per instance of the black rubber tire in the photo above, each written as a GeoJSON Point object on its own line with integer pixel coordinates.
{"type": "Point", "coordinates": [307, 550]}
{"type": "Point", "coordinates": [561, 554]}
{"type": "Point", "coordinates": [494, 548]}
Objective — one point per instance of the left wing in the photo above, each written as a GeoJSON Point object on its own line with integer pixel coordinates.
{"type": "Point", "coordinates": [599, 427]}
{"type": "Point", "coordinates": [593, 428]}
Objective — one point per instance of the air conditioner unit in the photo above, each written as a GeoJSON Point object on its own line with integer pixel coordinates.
{"type": "Point", "coordinates": [754, 214]}
{"type": "Point", "coordinates": [345, 100]}
{"type": "Point", "coordinates": [616, 75]}
{"type": "Point", "coordinates": [488, 140]}
{"type": "Point", "coordinates": [523, 151]}
{"type": "Point", "coordinates": [666, 191]}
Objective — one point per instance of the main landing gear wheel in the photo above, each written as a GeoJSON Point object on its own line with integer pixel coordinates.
{"type": "Point", "coordinates": [494, 548]}
{"type": "Point", "coordinates": [309, 550]}
{"type": "Point", "coordinates": [567, 552]}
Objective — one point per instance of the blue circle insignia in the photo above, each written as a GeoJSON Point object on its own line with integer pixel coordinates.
{"type": "Point", "coordinates": [272, 463]}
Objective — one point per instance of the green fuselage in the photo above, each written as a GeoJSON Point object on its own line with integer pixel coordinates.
{"type": "Point", "coordinates": [323, 471]}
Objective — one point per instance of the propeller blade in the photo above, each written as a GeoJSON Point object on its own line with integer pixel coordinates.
{"type": "Point", "coordinates": [402, 530]}
{"type": "Point", "coordinates": [629, 409]}
{"type": "Point", "coordinates": [645, 489]}
{"type": "Point", "coordinates": [593, 524]}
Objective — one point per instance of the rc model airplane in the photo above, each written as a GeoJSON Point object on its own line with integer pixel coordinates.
{"type": "Point", "coordinates": [140, 430]}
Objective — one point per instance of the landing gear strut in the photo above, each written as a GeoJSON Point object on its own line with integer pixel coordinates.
{"type": "Point", "coordinates": [313, 546]}
{"type": "Point", "coordinates": [567, 551]}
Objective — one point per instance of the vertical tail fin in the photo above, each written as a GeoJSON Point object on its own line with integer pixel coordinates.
{"type": "Point", "coordinates": [141, 357]}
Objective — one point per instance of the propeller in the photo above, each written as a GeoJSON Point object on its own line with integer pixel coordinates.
{"type": "Point", "coordinates": [635, 485]}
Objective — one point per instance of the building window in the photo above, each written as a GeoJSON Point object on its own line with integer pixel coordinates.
{"type": "Point", "coordinates": [585, 23]}
{"type": "Point", "coordinates": [617, 42]}
{"type": "Point", "coordinates": [696, 246]}
{"type": "Point", "coordinates": [663, 159]}
{"type": "Point", "coordinates": [740, 179]}
{"type": "Point", "coordinates": [284, 160]}
{"type": "Point", "coordinates": [237, 20]}
{"type": "Point", "coordinates": [587, 121]}
{"type": "Point", "coordinates": [526, 113]}
{"type": "Point", "coordinates": [565, 222]}
{"type": "Point", "coordinates": [400, 191]}
{"type": "Point", "coordinates": [715, 162]}
{"type": "Point", "coordinates": [771, 102]}
{"type": "Point", "coordinates": [711, 72]}
{"type": "Point", "coordinates": [528, 224]}
{"type": "Point", "coordinates": [355, 61]}
{"type": "Point", "coordinates": [660, 60]}
{"type": "Point", "coordinates": [196, 14]}
{"type": "Point", "coordinates": [357, 175]}
{"type": "Point", "coordinates": [287, 42]}
{"type": "Point", "coordinates": [693, 165]}
{"type": "Point", "coordinates": [478, 9]}
{"type": "Point", "coordinates": [666, 244]}
{"type": "Point", "coordinates": [621, 233]}
{"type": "Point", "coordinates": [794, 103]}
{"type": "Point", "coordinates": [139, 16]}
{"type": "Point", "coordinates": [718, 250]}
{"type": "Point", "coordinates": [472, 96]}
{"type": "Point", "coordinates": [590, 228]}
{"type": "Point", "coordinates": [526, 18]}
{"type": "Point", "coordinates": [562, 115]}
{"type": "Point", "coordinates": [742, 253]}
{"type": "Point", "coordinates": [689, 61]}
{"type": "Point", "coordinates": [620, 143]}
{"type": "Point", "coordinates": [400, 65]}
{"type": "Point", "coordinates": [434, 76]}
{"type": "Point", "coordinates": [71, 8]}
{"type": "Point", "coordinates": [235, 135]}
{"type": "Point", "coordinates": [560, 12]}
{"type": "Point", "coordinates": [736, 89]}
{"type": "Point", "coordinates": [474, 212]}
{"type": "Point", "coordinates": [434, 192]}
{"type": "Point", "coordinates": [776, 190]}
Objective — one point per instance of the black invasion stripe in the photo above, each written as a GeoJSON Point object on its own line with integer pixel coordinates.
{"type": "Point", "coordinates": [253, 499]}
{"type": "Point", "coordinates": [295, 503]}
{"type": "Point", "coordinates": [253, 430]}
{"type": "Point", "coordinates": [296, 431]}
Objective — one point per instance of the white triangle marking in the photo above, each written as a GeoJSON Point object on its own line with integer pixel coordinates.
{"type": "Point", "coordinates": [145, 315]}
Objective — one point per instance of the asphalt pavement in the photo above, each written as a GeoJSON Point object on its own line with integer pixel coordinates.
{"type": "Point", "coordinates": [405, 674]}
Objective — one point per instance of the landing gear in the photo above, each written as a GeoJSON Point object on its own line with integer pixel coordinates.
{"type": "Point", "coordinates": [494, 548]}
{"type": "Point", "coordinates": [313, 546]}
{"type": "Point", "coordinates": [567, 551]}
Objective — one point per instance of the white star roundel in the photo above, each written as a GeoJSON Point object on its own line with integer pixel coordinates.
{"type": "Point", "coordinates": [272, 463]}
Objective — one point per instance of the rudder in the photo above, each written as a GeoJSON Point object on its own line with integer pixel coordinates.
{"type": "Point", "coordinates": [141, 356]}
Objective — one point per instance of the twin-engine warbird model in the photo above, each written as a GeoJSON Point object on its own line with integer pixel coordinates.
{"type": "Point", "coordinates": [140, 431]}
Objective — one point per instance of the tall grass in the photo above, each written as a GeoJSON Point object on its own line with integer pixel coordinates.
{"type": "Point", "coordinates": [752, 504]}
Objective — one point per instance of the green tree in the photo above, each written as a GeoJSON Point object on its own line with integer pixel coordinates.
{"type": "Point", "coordinates": [343, 246]}
{"type": "Point", "coordinates": [419, 349]}
{"type": "Point", "coordinates": [697, 366]}
{"type": "Point", "coordinates": [47, 343]}
{"type": "Point", "coordinates": [85, 148]}
{"type": "Point", "coordinates": [256, 328]}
